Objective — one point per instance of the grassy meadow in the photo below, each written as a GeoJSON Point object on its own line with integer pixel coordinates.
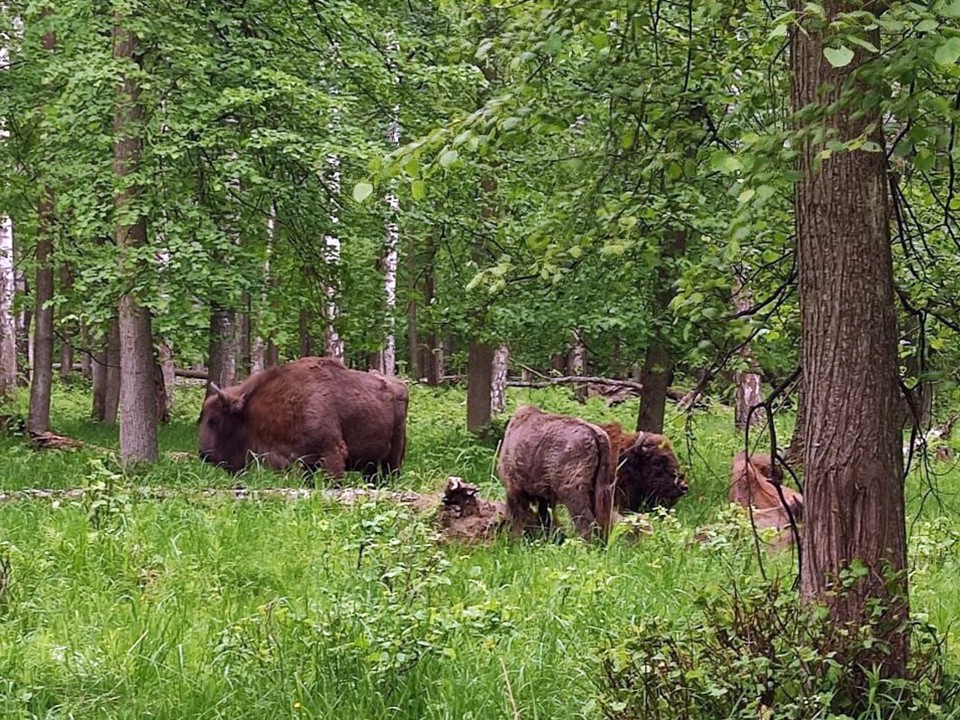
{"type": "Point", "coordinates": [116, 606]}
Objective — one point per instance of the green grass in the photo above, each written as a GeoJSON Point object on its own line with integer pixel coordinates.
{"type": "Point", "coordinates": [119, 607]}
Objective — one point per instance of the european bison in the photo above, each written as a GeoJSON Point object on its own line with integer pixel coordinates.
{"type": "Point", "coordinates": [648, 473]}
{"type": "Point", "coordinates": [548, 459]}
{"type": "Point", "coordinates": [753, 483]}
{"type": "Point", "coordinates": [313, 411]}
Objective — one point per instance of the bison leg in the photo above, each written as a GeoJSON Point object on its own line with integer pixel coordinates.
{"type": "Point", "coordinates": [522, 517]}
{"type": "Point", "coordinates": [580, 508]}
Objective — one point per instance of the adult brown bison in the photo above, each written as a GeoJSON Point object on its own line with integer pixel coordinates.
{"type": "Point", "coordinates": [648, 473]}
{"type": "Point", "coordinates": [753, 483]}
{"type": "Point", "coordinates": [315, 412]}
{"type": "Point", "coordinates": [548, 459]}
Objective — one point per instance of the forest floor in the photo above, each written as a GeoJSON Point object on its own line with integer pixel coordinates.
{"type": "Point", "coordinates": [116, 602]}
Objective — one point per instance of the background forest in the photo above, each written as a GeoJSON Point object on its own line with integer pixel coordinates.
{"type": "Point", "coordinates": [719, 204]}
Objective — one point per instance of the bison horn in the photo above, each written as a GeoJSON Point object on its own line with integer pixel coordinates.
{"type": "Point", "coordinates": [220, 394]}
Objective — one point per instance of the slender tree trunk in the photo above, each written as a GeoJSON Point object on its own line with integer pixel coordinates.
{"type": "Point", "coordinates": [271, 356]}
{"type": "Point", "coordinates": [853, 494]}
{"type": "Point", "coordinates": [658, 362]}
{"type": "Point", "coordinates": [479, 381]}
{"type": "Point", "coordinates": [111, 402]}
{"type": "Point", "coordinates": [414, 351]}
{"type": "Point", "coordinates": [391, 248]}
{"type": "Point", "coordinates": [23, 319]}
{"type": "Point", "coordinates": [86, 357]}
{"type": "Point", "coordinates": [332, 342]}
{"type": "Point", "coordinates": [244, 348]}
{"type": "Point", "coordinates": [138, 411]}
{"type": "Point", "coordinates": [168, 372]}
{"type": "Point", "coordinates": [431, 360]}
{"type": "Point", "coordinates": [8, 324]}
{"type": "Point", "coordinates": [258, 349]}
{"type": "Point", "coordinates": [748, 381]}
{"type": "Point", "coordinates": [576, 365]}
{"type": "Point", "coordinates": [99, 378]}
{"type": "Point", "coordinates": [66, 329]}
{"type": "Point", "coordinates": [222, 367]}
{"type": "Point", "coordinates": [498, 383]}
{"type": "Point", "coordinates": [41, 378]}
{"type": "Point", "coordinates": [306, 341]}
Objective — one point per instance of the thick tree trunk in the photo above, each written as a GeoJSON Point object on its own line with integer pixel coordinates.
{"type": "Point", "coordinates": [111, 401]}
{"type": "Point", "coordinates": [655, 376]}
{"type": "Point", "coordinates": [498, 382]}
{"type": "Point", "coordinates": [479, 381]}
{"type": "Point", "coordinates": [41, 379]}
{"type": "Point", "coordinates": [8, 323]}
{"type": "Point", "coordinates": [223, 348]}
{"type": "Point", "coordinates": [658, 362]}
{"type": "Point", "coordinates": [853, 494]}
{"type": "Point", "coordinates": [138, 411]}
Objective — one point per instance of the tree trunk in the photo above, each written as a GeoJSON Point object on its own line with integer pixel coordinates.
{"type": "Point", "coordinates": [414, 351]}
{"type": "Point", "coordinates": [431, 352]}
{"type": "Point", "coordinates": [658, 362]}
{"type": "Point", "coordinates": [655, 376]}
{"type": "Point", "coordinates": [99, 378]}
{"type": "Point", "coordinates": [244, 348]}
{"type": "Point", "coordinates": [222, 366]}
{"type": "Point", "coordinates": [306, 341]}
{"type": "Point", "coordinates": [479, 381]}
{"type": "Point", "coordinates": [168, 372]}
{"type": "Point", "coordinates": [41, 379]}
{"type": "Point", "coordinates": [577, 364]}
{"type": "Point", "coordinates": [853, 494]}
{"type": "Point", "coordinates": [271, 356]}
{"type": "Point", "coordinates": [138, 411]}
{"type": "Point", "coordinates": [498, 384]}
{"type": "Point", "coordinates": [8, 323]}
{"type": "Point", "coordinates": [86, 357]}
{"type": "Point", "coordinates": [748, 381]}
{"type": "Point", "coordinates": [67, 329]}
{"type": "Point", "coordinates": [111, 401]}
{"type": "Point", "coordinates": [332, 342]}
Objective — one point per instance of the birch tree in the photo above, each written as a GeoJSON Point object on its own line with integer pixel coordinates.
{"type": "Point", "coordinates": [8, 325]}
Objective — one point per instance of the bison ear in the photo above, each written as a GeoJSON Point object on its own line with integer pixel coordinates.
{"type": "Point", "coordinates": [230, 404]}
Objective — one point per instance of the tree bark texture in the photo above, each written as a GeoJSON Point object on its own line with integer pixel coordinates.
{"type": "Point", "coordinates": [41, 379]}
{"type": "Point", "coordinates": [479, 381]}
{"type": "Point", "coordinates": [853, 494]}
{"type": "Point", "coordinates": [658, 362]}
{"type": "Point", "coordinates": [223, 348]}
{"type": "Point", "coordinates": [498, 379]}
{"type": "Point", "coordinates": [8, 323]}
{"type": "Point", "coordinates": [67, 329]}
{"type": "Point", "coordinates": [99, 380]}
{"type": "Point", "coordinates": [168, 369]}
{"type": "Point", "coordinates": [577, 365]}
{"type": "Point", "coordinates": [138, 410]}
{"type": "Point", "coordinates": [111, 401]}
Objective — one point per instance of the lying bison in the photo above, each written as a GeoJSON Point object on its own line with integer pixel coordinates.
{"type": "Point", "coordinates": [648, 473]}
{"type": "Point", "coordinates": [314, 412]}
{"type": "Point", "coordinates": [753, 483]}
{"type": "Point", "coordinates": [548, 459]}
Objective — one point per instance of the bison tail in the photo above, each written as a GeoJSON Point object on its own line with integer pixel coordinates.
{"type": "Point", "coordinates": [603, 484]}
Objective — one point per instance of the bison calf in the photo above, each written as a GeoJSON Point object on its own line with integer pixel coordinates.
{"type": "Point", "coordinates": [549, 459]}
{"type": "Point", "coordinates": [753, 483]}
{"type": "Point", "coordinates": [648, 473]}
{"type": "Point", "coordinates": [313, 411]}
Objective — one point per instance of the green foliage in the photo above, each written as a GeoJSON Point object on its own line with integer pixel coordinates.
{"type": "Point", "coordinates": [756, 652]}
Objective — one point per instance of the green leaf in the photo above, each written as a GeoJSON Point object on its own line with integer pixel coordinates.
{"type": "Point", "coordinates": [448, 157]}
{"type": "Point", "coordinates": [418, 189]}
{"type": "Point", "coordinates": [865, 44]}
{"type": "Point", "coordinates": [510, 123]}
{"type": "Point", "coordinates": [951, 9]}
{"type": "Point", "coordinates": [361, 191]}
{"type": "Point", "coordinates": [949, 52]}
{"type": "Point", "coordinates": [838, 57]}
{"type": "Point", "coordinates": [411, 166]}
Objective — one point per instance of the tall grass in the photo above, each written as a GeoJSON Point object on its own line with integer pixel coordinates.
{"type": "Point", "coordinates": [120, 607]}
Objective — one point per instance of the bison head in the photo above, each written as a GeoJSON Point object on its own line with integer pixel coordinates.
{"type": "Point", "coordinates": [223, 436]}
{"type": "Point", "coordinates": [649, 474]}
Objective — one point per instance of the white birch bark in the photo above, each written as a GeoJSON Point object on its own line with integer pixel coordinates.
{"type": "Point", "coordinates": [8, 325]}
{"type": "Point", "coordinates": [388, 355]}
{"type": "Point", "coordinates": [258, 346]}
{"type": "Point", "coordinates": [332, 342]}
{"type": "Point", "coordinates": [498, 383]}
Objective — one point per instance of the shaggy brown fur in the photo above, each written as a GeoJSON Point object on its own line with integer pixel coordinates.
{"type": "Point", "coordinates": [313, 411]}
{"type": "Point", "coordinates": [753, 483]}
{"type": "Point", "coordinates": [648, 473]}
{"type": "Point", "coordinates": [549, 459]}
